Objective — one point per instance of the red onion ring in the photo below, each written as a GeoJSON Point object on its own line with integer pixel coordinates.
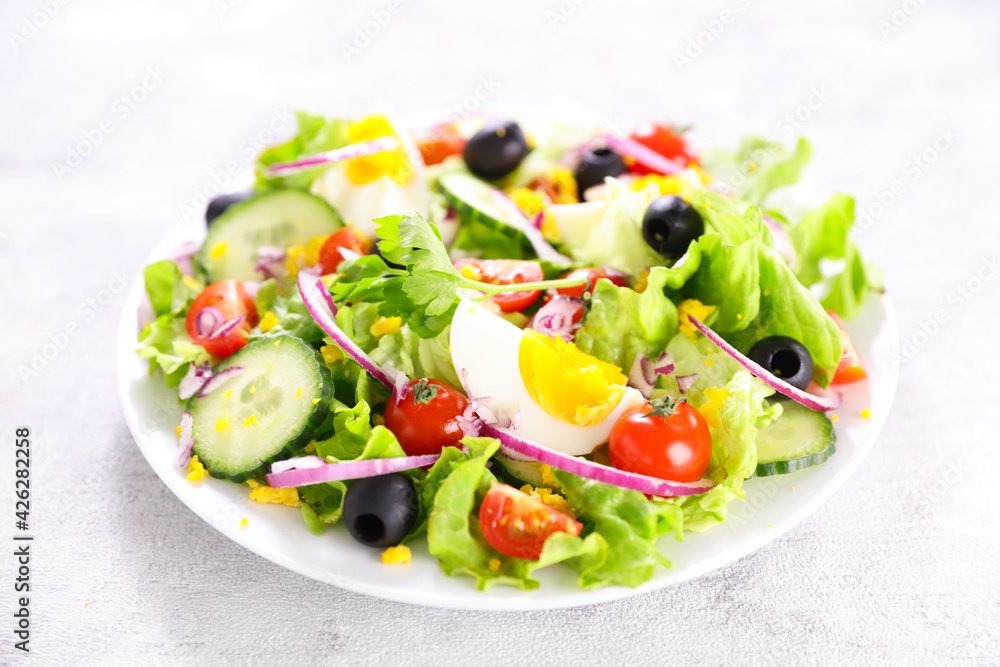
{"type": "Point", "coordinates": [336, 472]}
{"type": "Point", "coordinates": [811, 401]}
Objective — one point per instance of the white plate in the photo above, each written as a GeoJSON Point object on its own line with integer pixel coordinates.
{"type": "Point", "coordinates": [772, 506]}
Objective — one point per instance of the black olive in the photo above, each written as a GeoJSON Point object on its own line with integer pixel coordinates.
{"type": "Point", "coordinates": [381, 511]}
{"type": "Point", "coordinates": [594, 166]}
{"type": "Point", "coordinates": [786, 358]}
{"type": "Point", "coordinates": [218, 206]}
{"type": "Point", "coordinates": [496, 150]}
{"type": "Point", "coordinates": [670, 224]}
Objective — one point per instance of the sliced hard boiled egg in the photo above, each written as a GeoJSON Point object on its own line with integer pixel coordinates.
{"type": "Point", "coordinates": [559, 396]}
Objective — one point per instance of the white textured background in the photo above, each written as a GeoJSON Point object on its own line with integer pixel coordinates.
{"type": "Point", "coordinates": [901, 566]}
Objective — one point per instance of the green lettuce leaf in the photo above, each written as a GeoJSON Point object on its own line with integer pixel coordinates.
{"type": "Point", "coordinates": [824, 234]}
{"type": "Point", "coordinates": [167, 346]}
{"type": "Point", "coordinates": [455, 538]}
{"type": "Point", "coordinates": [616, 239]}
{"type": "Point", "coordinates": [293, 318]}
{"type": "Point", "coordinates": [758, 167]}
{"type": "Point", "coordinates": [628, 524]}
{"type": "Point", "coordinates": [168, 293]}
{"type": "Point", "coordinates": [734, 427]}
{"type": "Point", "coordinates": [622, 323]}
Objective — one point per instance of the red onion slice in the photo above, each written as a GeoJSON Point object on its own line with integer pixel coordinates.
{"type": "Point", "coordinates": [186, 439]}
{"type": "Point", "coordinates": [556, 317]}
{"type": "Point", "coordinates": [685, 382]}
{"type": "Point", "coordinates": [401, 386]}
{"type": "Point", "coordinates": [208, 320]}
{"type": "Point", "coordinates": [227, 327]}
{"type": "Point", "coordinates": [182, 255]}
{"type": "Point", "coordinates": [600, 473]}
{"type": "Point", "coordinates": [318, 301]}
{"type": "Point", "coordinates": [197, 376]}
{"type": "Point", "coordinates": [518, 220]}
{"type": "Point", "coordinates": [811, 401]}
{"type": "Point", "coordinates": [641, 154]}
{"type": "Point", "coordinates": [349, 152]}
{"type": "Point", "coordinates": [220, 379]}
{"type": "Point", "coordinates": [644, 370]}
{"type": "Point", "coordinates": [336, 472]}
{"type": "Point", "coordinates": [271, 261]}
{"type": "Point", "coordinates": [298, 463]}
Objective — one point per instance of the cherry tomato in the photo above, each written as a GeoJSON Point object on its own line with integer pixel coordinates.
{"type": "Point", "coordinates": [662, 138]}
{"type": "Point", "coordinates": [443, 142]}
{"type": "Point", "coordinates": [504, 272]}
{"type": "Point", "coordinates": [515, 524]}
{"type": "Point", "coordinates": [231, 300]}
{"type": "Point", "coordinates": [671, 443]}
{"type": "Point", "coordinates": [425, 421]}
{"type": "Point", "coordinates": [332, 253]}
{"type": "Point", "coordinates": [593, 274]}
{"type": "Point", "coordinates": [850, 369]}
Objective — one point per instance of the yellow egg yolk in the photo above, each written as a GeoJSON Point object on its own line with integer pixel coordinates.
{"type": "Point", "coordinates": [393, 164]}
{"type": "Point", "coordinates": [568, 383]}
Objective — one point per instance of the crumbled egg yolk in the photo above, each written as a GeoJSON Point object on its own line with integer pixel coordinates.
{"type": "Point", "coordinates": [196, 471]}
{"type": "Point", "coordinates": [265, 494]}
{"type": "Point", "coordinates": [666, 185]}
{"type": "Point", "coordinates": [532, 203]}
{"type": "Point", "coordinates": [268, 322]}
{"type": "Point", "coordinates": [495, 564]}
{"type": "Point", "coordinates": [692, 307]}
{"type": "Point", "coordinates": [243, 522]}
{"type": "Point", "coordinates": [551, 499]}
{"type": "Point", "coordinates": [192, 284]}
{"type": "Point", "coordinates": [563, 186]}
{"type": "Point", "coordinates": [710, 408]}
{"type": "Point", "coordinates": [397, 554]}
{"type": "Point", "coordinates": [568, 383]}
{"type": "Point", "coordinates": [296, 256]}
{"type": "Point", "coordinates": [331, 355]}
{"type": "Point", "coordinates": [222, 423]}
{"type": "Point", "coordinates": [866, 414]}
{"type": "Point", "coordinates": [250, 421]}
{"type": "Point", "coordinates": [384, 326]}
{"type": "Point", "coordinates": [705, 177]}
{"type": "Point", "coordinates": [313, 248]}
{"type": "Point", "coordinates": [642, 282]}
{"type": "Point", "coordinates": [547, 476]}
{"type": "Point", "coordinates": [219, 249]}
{"type": "Point", "coordinates": [393, 164]}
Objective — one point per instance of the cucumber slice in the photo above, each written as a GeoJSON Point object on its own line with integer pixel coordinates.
{"type": "Point", "coordinates": [277, 218]}
{"type": "Point", "coordinates": [282, 396]}
{"type": "Point", "coordinates": [472, 199]}
{"type": "Point", "coordinates": [800, 438]}
{"type": "Point", "coordinates": [517, 473]}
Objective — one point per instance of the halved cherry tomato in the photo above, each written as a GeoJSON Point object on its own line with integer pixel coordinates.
{"type": "Point", "coordinates": [230, 299]}
{"type": "Point", "coordinates": [850, 369]}
{"type": "Point", "coordinates": [332, 253]}
{"type": "Point", "coordinates": [662, 440]}
{"type": "Point", "coordinates": [593, 275]}
{"type": "Point", "coordinates": [504, 272]}
{"type": "Point", "coordinates": [515, 524]}
{"type": "Point", "coordinates": [662, 138]}
{"type": "Point", "coordinates": [443, 142]}
{"type": "Point", "coordinates": [425, 421]}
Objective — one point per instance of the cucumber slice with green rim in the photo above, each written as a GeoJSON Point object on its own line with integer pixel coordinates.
{"type": "Point", "coordinates": [472, 199]}
{"type": "Point", "coordinates": [276, 218]}
{"type": "Point", "coordinates": [272, 407]}
{"type": "Point", "coordinates": [517, 473]}
{"type": "Point", "coordinates": [800, 438]}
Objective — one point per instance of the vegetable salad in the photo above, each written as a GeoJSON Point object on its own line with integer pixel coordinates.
{"type": "Point", "coordinates": [527, 343]}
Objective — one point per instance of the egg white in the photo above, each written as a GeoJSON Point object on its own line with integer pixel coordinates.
{"type": "Point", "coordinates": [487, 347]}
